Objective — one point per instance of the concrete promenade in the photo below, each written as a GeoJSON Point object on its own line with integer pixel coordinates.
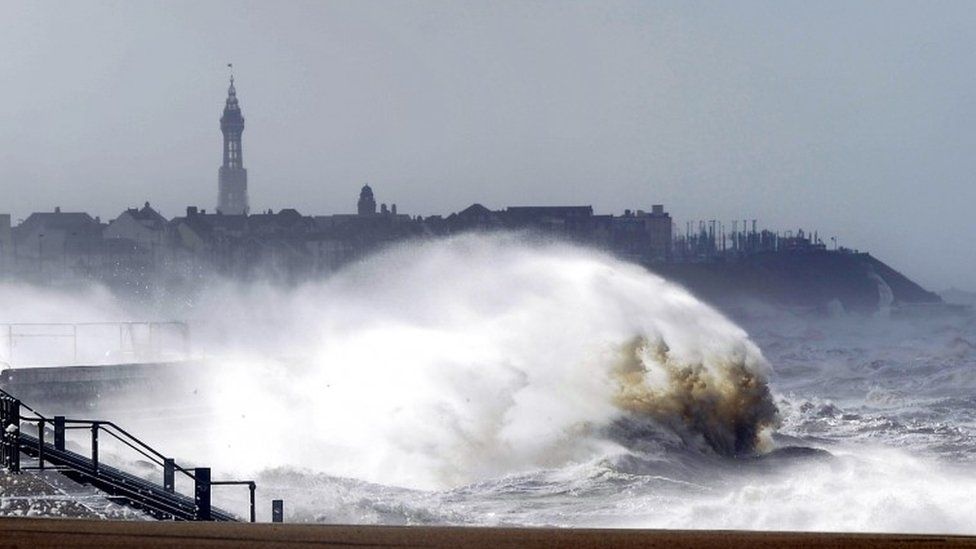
{"type": "Point", "coordinates": [22, 532]}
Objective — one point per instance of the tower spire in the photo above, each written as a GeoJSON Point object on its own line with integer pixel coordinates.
{"type": "Point", "coordinates": [232, 177]}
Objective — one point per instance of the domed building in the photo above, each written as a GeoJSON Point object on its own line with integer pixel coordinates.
{"type": "Point", "coordinates": [367, 204]}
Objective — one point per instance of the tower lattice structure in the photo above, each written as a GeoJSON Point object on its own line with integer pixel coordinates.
{"type": "Point", "coordinates": [232, 177]}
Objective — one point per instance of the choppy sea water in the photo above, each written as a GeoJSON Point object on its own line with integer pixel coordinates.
{"type": "Point", "coordinates": [485, 380]}
{"type": "Point", "coordinates": [890, 402]}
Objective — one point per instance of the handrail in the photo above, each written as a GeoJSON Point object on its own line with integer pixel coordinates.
{"type": "Point", "coordinates": [136, 448]}
{"type": "Point", "coordinates": [22, 405]}
{"type": "Point", "coordinates": [168, 505]}
{"type": "Point", "coordinates": [128, 439]}
{"type": "Point", "coordinates": [251, 485]}
{"type": "Point", "coordinates": [159, 344]}
{"type": "Point", "coordinates": [102, 425]}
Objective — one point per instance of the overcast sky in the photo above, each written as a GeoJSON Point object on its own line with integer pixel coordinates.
{"type": "Point", "coordinates": [856, 119]}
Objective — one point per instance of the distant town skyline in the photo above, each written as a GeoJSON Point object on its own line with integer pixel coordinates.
{"type": "Point", "coordinates": [823, 117]}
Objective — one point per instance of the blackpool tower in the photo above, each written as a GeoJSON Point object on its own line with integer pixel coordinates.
{"type": "Point", "coordinates": [232, 177]}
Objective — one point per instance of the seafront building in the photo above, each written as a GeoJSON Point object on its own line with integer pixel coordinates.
{"type": "Point", "coordinates": [140, 244]}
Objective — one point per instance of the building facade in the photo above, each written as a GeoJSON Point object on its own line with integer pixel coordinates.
{"type": "Point", "coordinates": [366, 204]}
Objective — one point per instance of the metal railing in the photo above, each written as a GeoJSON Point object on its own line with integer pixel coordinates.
{"type": "Point", "coordinates": [162, 500]}
{"type": "Point", "coordinates": [129, 348]}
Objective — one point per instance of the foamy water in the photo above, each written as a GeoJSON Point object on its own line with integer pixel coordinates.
{"type": "Point", "coordinates": [457, 361]}
{"type": "Point", "coordinates": [494, 380]}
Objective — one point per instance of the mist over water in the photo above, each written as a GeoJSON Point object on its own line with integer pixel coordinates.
{"type": "Point", "coordinates": [498, 379]}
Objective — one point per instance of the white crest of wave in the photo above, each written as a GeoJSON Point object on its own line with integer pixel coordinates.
{"type": "Point", "coordinates": [444, 362]}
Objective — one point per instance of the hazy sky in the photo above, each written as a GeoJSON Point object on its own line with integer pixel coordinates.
{"type": "Point", "coordinates": [857, 119]}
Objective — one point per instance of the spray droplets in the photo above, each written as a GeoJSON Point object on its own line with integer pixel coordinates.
{"type": "Point", "coordinates": [446, 362]}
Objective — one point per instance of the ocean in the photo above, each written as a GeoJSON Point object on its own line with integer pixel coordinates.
{"type": "Point", "coordinates": [495, 380]}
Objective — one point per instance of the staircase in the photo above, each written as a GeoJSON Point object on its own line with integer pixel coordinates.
{"type": "Point", "coordinates": [161, 501]}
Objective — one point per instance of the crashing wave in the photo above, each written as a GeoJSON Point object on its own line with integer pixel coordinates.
{"type": "Point", "coordinates": [727, 404]}
{"type": "Point", "coordinates": [445, 362]}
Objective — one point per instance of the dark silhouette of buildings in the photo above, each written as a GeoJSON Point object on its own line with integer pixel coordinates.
{"type": "Point", "coordinates": [6, 243]}
{"type": "Point", "coordinates": [141, 247]}
{"type": "Point", "coordinates": [232, 177]}
{"type": "Point", "coordinates": [141, 243]}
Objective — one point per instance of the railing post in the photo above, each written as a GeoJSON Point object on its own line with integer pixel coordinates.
{"type": "Point", "coordinates": [250, 488]}
{"type": "Point", "coordinates": [40, 443]}
{"type": "Point", "coordinates": [169, 467]}
{"type": "Point", "coordinates": [94, 446]}
{"type": "Point", "coordinates": [4, 442]}
{"type": "Point", "coordinates": [59, 433]}
{"type": "Point", "coordinates": [277, 510]}
{"type": "Point", "coordinates": [201, 478]}
{"type": "Point", "coordinates": [10, 423]}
